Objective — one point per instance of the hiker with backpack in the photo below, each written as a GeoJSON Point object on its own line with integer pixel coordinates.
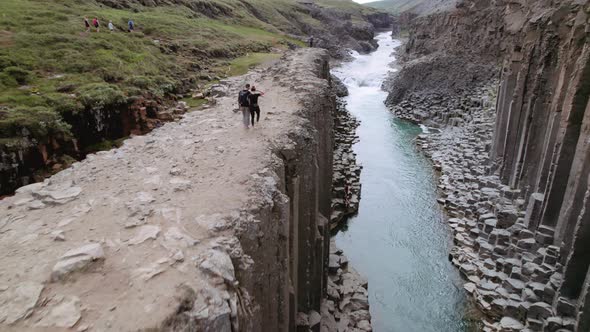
{"type": "Point", "coordinates": [130, 26]}
{"type": "Point", "coordinates": [96, 24]}
{"type": "Point", "coordinates": [254, 108]}
{"type": "Point", "coordinates": [244, 105]}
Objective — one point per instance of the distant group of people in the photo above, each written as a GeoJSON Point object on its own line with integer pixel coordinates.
{"type": "Point", "coordinates": [248, 105]}
{"type": "Point", "coordinates": [111, 26]}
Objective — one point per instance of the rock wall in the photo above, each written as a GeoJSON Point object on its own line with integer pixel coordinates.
{"type": "Point", "coordinates": [290, 245]}
{"type": "Point", "coordinates": [449, 52]}
{"type": "Point", "coordinates": [541, 137]}
{"type": "Point", "coordinates": [514, 178]}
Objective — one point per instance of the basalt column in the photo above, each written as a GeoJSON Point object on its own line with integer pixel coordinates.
{"type": "Point", "coordinates": [541, 144]}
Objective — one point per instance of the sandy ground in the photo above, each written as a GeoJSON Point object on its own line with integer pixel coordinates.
{"type": "Point", "coordinates": [153, 205]}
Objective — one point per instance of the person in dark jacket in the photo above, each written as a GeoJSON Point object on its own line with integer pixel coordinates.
{"type": "Point", "coordinates": [86, 24]}
{"type": "Point", "coordinates": [244, 105]}
{"type": "Point", "coordinates": [254, 108]}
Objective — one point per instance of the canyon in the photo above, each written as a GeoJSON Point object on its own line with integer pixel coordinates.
{"type": "Point", "coordinates": [197, 224]}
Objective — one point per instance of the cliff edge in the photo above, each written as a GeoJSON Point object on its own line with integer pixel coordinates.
{"type": "Point", "coordinates": [199, 225]}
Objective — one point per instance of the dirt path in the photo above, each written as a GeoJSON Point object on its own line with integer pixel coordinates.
{"type": "Point", "coordinates": [150, 209]}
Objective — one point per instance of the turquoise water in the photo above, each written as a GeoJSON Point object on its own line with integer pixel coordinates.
{"type": "Point", "coordinates": [398, 240]}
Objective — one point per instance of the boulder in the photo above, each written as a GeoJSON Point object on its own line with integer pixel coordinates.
{"type": "Point", "coordinates": [145, 233]}
{"type": "Point", "coordinates": [76, 259]}
{"type": "Point", "coordinates": [217, 263]}
{"type": "Point", "coordinates": [509, 324]}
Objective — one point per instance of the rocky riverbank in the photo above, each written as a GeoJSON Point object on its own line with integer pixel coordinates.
{"type": "Point", "coordinates": [346, 185]}
{"type": "Point", "coordinates": [513, 155]}
{"type": "Point", "coordinates": [512, 273]}
{"type": "Point", "coordinates": [346, 306]}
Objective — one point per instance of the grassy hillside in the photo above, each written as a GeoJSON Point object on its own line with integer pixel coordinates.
{"type": "Point", "coordinates": [421, 7]}
{"type": "Point", "coordinates": [49, 64]}
{"type": "Point", "coordinates": [395, 6]}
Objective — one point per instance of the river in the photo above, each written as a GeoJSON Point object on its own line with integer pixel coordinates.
{"type": "Point", "coordinates": [398, 240]}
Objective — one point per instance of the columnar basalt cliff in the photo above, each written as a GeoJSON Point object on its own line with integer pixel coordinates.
{"type": "Point", "coordinates": [152, 236]}
{"type": "Point", "coordinates": [514, 178]}
{"type": "Point", "coordinates": [346, 184]}
{"type": "Point", "coordinates": [449, 52]}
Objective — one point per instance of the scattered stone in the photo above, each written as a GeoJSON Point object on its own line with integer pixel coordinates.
{"type": "Point", "coordinates": [180, 184]}
{"type": "Point", "coordinates": [76, 260]}
{"type": "Point", "coordinates": [314, 318]}
{"type": "Point", "coordinates": [510, 324]}
{"type": "Point", "coordinates": [58, 235]}
{"type": "Point", "coordinates": [65, 314]}
{"type": "Point", "coordinates": [148, 272]}
{"type": "Point", "coordinates": [17, 302]}
{"type": "Point", "coordinates": [145, 233]}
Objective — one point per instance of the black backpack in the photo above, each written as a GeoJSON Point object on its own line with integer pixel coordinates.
{"type": "Point", "coordinates": [243, 98]}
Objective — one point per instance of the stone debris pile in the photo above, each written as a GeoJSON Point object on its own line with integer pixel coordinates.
{"type": "Point", "coordinates": [346, 307]}
{"type": "Point", "coordinates": [346, 185]}
{"type": "Point", "coordinates": [436, 109]}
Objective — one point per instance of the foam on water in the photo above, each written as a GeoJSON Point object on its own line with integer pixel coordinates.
{"type": "Point", "coordinates": [425, 129]}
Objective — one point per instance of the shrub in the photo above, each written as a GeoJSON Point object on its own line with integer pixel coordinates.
{"type": "Point", "coordinates": [37, 122]}
{"type": "Point", "coordinates": [7, 80]}
{"type": "Point", "coordinates": [63, 103]}
{"type": "Point", "coordinates": [6, 61]}
{"type": "Point", "coordinates": [110, 75]}
{"type": "Point", "coordinates": [21, 76]}
{"type": "Point", "coordinates": [141, 82]}
{"type": "Point", "coordinates": [165, 85]}
{"type": "Point", "coordinates": [97, 96]}
{"type": "Point", "coordinates": [157, 85]}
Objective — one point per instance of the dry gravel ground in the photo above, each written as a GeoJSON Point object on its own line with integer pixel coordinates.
{"type": "Point", "coordinates": [106, 244]}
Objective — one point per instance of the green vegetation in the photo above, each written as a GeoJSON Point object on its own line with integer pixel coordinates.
{"type": "Point", "coordinates": [194, 102]}
{"type": "Point", "coordinates": [50, 66]}
{"type": "Point", "coordinates": [241, 65]}
{"type": "Point", "coordinates": [395, 6]}
{"type": "Point", "coordinates": [105, 145]}
{"type": "Point", "coordinates": [418, 7]}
